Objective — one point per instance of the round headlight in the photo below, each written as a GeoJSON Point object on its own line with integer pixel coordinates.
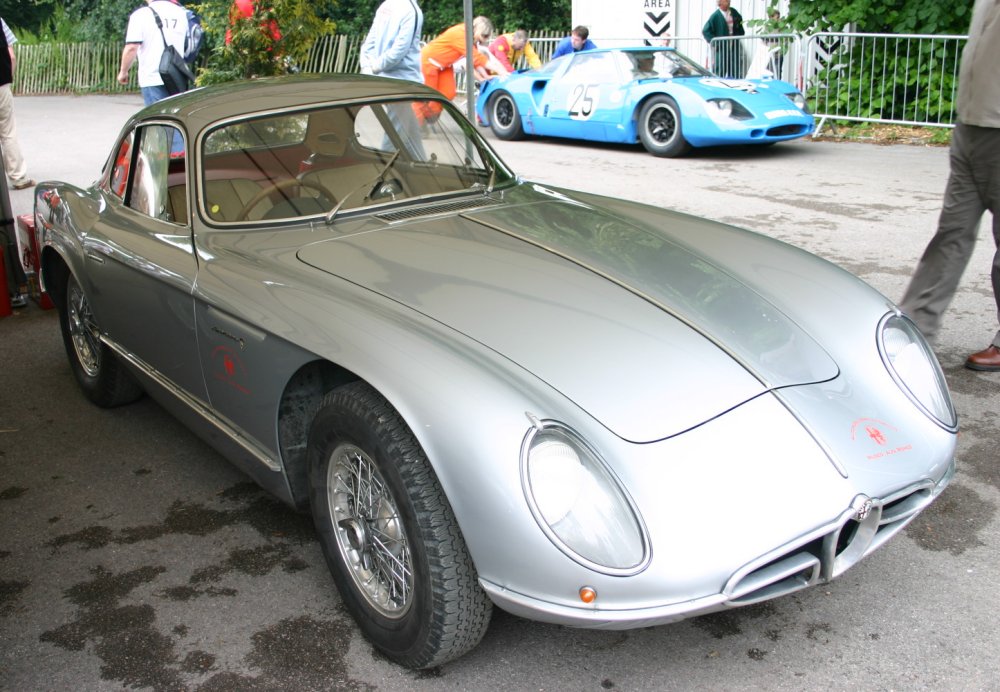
{"type": "Point", "coordinates": [579, 503]}
{"type": "Point", "coordinates": [798, 99]}
{"type": "Point", "coordinates": [913, 366]}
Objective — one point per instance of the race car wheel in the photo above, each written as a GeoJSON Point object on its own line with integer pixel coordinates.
{"type": "Point", "coordinates": [102, 377]}
{"type": "Point", "coordinates": [660, 128]}
{"type": "Point", "coordinates": [388, 533]}
{"type": "Point", "coordinates": [505, 121]}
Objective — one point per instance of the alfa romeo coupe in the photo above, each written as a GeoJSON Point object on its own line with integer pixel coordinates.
{"type": "Point", "coordinates": [656, 96]}
{"type": "Point", "coordinates": [489, 391]}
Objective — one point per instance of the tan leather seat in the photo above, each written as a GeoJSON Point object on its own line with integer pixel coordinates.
{"type": "Point", "coordinates": [225, 199]}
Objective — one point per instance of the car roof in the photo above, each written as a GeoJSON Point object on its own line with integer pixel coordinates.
{"type": "Point", "coordinates": [632, 49]}
{"type": "Point", "coordinates": [206, 105]}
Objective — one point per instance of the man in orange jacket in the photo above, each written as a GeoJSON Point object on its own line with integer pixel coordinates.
{"type": "Point", "coordinates": [437, 60]}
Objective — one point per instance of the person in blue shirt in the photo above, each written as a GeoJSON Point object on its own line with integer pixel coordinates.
{"type": "Point", "coordinates": [392, 47]}
{"type": "Point", "coordinates": [575, 42]}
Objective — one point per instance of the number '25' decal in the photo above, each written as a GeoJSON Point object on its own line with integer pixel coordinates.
{"type": "Point", "coordinates": [583, 101]}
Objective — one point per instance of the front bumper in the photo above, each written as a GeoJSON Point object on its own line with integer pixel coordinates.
{"type": "Point", "coordinates": [814, 558]}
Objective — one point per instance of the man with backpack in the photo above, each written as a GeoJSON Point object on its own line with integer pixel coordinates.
{"type": "Point", "coordinates": [150, 29]}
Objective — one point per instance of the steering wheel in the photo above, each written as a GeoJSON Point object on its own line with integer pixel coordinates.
{"type": "Point", "coordinates": [278, 186]}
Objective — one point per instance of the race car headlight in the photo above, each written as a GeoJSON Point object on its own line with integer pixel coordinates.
{"type": "Point", "coordinates": [913, 366]}
{"type": "Point", "coordinates": [579, 503]}
{"type": "Point", "coordinates": [723, 109]}
{"type": "Point", "coordinates": [799, 100]}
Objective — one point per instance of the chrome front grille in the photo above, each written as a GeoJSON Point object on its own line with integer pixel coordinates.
{"type": "Point", "coordinates": [831, 550]}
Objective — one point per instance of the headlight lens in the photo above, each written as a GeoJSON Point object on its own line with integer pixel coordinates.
{"type": "Point", "coordinates": [579, 504]}
{"type": "Point", "coordinates": [798, 99]}
{"type": "Point", "coordinates": [723, 109]}
{"type": "Point", "coordinates": [912, 364]}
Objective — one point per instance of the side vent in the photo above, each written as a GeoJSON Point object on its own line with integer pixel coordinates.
{"type": "Point", "coordinates": [436, 209]}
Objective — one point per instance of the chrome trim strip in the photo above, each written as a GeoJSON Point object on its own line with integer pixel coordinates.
{"type": "Point", "coordinates": [219, 422]}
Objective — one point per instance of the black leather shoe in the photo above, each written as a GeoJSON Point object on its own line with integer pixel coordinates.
{"type": "Point", "coordinates": [988, 359]}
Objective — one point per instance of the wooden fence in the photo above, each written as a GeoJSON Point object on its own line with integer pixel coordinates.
{"type": "Point", "coordinates": [78, 68]}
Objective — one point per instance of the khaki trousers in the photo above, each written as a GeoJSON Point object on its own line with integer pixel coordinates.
{"type": "Point", "coordinates": [13, 161]}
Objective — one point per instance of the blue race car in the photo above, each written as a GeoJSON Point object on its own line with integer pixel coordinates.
{"type": "Point", "coordinates": [656, 96]}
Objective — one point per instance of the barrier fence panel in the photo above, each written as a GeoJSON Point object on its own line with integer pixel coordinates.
{"type": "Point", "coordinates": [739, 57]}
{"type": "Point", "coordinates": [903, 79]}
{"type": "Point", "coordinates": [907, 79]}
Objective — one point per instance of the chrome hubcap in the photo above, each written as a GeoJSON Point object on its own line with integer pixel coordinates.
{"type": "Point", "coordinates": [369, 532]}
{"type": "Point", "coordinates": [83, 329]}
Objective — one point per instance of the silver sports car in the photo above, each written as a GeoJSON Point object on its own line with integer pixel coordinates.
{"type": "Point", "coordinates": [488, 391]}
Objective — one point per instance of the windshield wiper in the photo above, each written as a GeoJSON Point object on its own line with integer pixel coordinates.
{"type": "Point", "coordinates": [377, 180]}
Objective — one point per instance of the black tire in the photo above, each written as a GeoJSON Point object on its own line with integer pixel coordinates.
{"type": "Point", "coordinates": [505, 120]}
{"type": "Point", "coordinates": [102, 377]}
{"type": "Point", "coordinates": [430, 608]}
{"type": "Point", "coordinates": [660, 128]}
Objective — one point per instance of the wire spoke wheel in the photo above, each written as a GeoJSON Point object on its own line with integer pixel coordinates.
{"type": "Point", "coordinates": [84, 332]}
{"type": "Point", "coordinates": [369, 532]}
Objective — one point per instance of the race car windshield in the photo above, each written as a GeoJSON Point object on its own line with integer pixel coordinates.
{"type": "Point", "coordinates": [670, 63]}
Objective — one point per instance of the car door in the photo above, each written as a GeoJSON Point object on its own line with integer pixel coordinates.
{"type": "Point", "coordinates": [140, 256]}
{"type": "Point", "coordinates": [585, 99]}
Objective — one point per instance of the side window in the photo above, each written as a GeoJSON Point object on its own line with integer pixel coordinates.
{"type": "Point", "coordinates": [159, 184]}
{"type": "Point", "coordinates": [120, 168]}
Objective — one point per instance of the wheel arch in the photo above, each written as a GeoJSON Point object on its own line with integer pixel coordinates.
{"type": "Point", "coordinates": [301, 400]}
{"type": "Point", "coordinates": [53, 270]}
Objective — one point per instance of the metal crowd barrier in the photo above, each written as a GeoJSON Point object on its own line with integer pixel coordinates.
{"type": "Point", "coordinates": [906, 79]}
{"type": "Point", "coordinates": [903, 79]}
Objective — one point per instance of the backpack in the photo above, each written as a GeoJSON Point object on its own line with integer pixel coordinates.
{"type": "Point", "coordinates": [194, 38]}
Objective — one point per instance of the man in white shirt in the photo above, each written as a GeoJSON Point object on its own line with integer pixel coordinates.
{"type": "Point", "coordinates": [144, 40]}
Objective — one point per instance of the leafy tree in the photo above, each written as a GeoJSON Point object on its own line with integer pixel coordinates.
{"type": "Point", "coordinates": [271, 41]}
{"type": "Point", "coordinates": [507, 15]}
{"type": "Point", "coordinates": [882, 16]}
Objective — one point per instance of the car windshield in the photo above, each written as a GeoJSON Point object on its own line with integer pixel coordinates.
{"type": "Point", "coordinates": [328, 161]}
{"type": "Point", "coordinates": [664, 63]}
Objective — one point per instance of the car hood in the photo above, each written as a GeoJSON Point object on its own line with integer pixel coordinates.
{"type": "Point", "coordinates": [642, 330]}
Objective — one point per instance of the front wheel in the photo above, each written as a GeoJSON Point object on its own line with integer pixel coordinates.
{"type": "Point", "coordinates": [660, 128]}
{"type": "Point", "coordinates": [505, 120]}
{"type": "Point", "coordinates": [102, 377]}
{"type": "Point", "coordinates": [389, 535]}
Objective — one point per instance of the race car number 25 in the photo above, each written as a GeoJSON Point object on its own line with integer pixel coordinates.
{"type": "Point", "coordinates": [583, 101]}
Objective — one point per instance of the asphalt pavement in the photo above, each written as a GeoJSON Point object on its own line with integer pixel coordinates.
{"type": "Point", "coordinates": [133, 556]}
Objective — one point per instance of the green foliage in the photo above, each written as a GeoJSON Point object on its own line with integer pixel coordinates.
{"type": "Point", "coordinates": [882, 16]}
{"type": "Point", "coordinates": [57, 27]}
{"type": "Point", "coordinates": [26, 16]}
{"type": "Point", "coordinates": [272, 41]}
{"type": "Point", "coordinates": [506, 15]}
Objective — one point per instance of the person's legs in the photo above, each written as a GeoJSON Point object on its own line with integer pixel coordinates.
{"type": "Point", "coordinates": [940, 269]}
{"type": "Point", "coordinates": [13, 161]}
{"type": "Point", "coordinates": [422, 109]}
{"type": "Point", "coordinates": [152, 94]}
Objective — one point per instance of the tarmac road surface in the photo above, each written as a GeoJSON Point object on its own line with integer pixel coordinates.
{"type": "Point", "coordinates": [133, 556]}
